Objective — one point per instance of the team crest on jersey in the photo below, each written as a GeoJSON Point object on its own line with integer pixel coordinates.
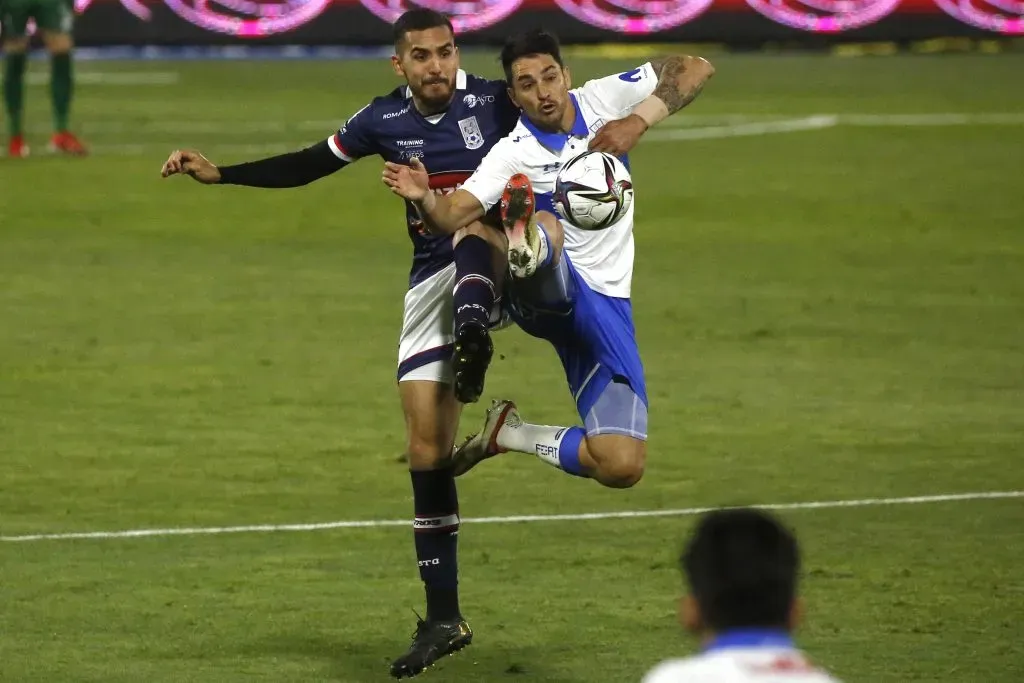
{"type": "Point", "coordinates": [471, 133]}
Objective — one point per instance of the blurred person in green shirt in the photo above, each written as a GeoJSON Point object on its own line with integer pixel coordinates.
{"type": "Point", "coordinates": [55, 21]}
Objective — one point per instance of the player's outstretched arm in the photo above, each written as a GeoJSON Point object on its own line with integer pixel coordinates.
{"type": "Point", "coordinates": [680, 80]}
{"type": "Point", "coordinates": [442, 214]}
{"type": "Point", "coordinates": [293, 169]}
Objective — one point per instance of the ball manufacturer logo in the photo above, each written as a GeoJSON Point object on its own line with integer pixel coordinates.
{"type": "Point", "coordinates": [825, 16]}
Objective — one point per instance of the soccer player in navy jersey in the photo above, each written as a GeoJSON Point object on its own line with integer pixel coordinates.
{"type": "Point", "coordinates": [449, 120]}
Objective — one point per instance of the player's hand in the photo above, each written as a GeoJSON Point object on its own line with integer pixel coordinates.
{"type": "Point", "coordinates": [191, 162]}
{"type": "Point", "coordinates": [620, 136]}
{"type": "Point", "coordinates": [408, 182]}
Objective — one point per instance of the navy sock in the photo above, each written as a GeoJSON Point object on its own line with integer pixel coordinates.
{"type": "Point", "coordinates": [436, 527]}
{"type": "Point", "coordinates": [474, 281]}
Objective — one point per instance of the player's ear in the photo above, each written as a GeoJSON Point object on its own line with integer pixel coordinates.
{"type": "Point", "coordinates": [568, 77]}
{"type": "Point", "coordinates": [396, 64]}
{"type": "Point", "coordinates": [689, 614]}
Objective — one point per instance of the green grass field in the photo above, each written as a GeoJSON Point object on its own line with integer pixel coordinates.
{"type": "Point", "coordinates": [825, 314]}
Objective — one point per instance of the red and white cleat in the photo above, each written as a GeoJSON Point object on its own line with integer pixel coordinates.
{"type": "Point", "coordinates": [65, 142]}
{"type": "Point", "coordinates": [17, 147]}
{"type": "Point", "coordinates": [517, 216]}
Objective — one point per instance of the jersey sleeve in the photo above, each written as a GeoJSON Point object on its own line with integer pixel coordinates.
{"type": "Point", "coordinates": [488, 181]}
{"type": "Point", "coordinates": [355, 139]}
{"type": "Point", "coordinates": [617, 95]}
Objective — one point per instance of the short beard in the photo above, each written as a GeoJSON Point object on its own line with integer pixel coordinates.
{"type": "Point", "coordinates": [437, 104]}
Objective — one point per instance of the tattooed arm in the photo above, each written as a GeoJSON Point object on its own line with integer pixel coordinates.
{"type": "Point", "coordinates": [680, 80]}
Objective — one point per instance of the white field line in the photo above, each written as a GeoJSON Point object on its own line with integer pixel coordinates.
{"type": "Point", "coordinates": [744, 129]}
{"type": "Point", "coordinates": [151, 148]}
{"type": "Point", "coordinates": [221, 127]}
{"type": "Point", "coordinates": [706, 133]}
{"type": "Point", "coordinates": [518, 519]}
{"type": "Point", "coordinates": [118, 78]}
{"type": "Point", "coordinates": [939, 120]}
{"type": "Point", "coordinates": [324, 126]}
{"type": "Point", "coordinates": [677, 128]}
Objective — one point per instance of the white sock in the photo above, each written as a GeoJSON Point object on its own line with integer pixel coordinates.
{"type": "Point", "coordinates": [539, 440]}
{"type": "Point", "coordinates": [545, 248]}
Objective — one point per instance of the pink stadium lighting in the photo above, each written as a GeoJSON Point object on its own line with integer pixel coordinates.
{"type": "Point", "coordinates": [466, 16]}
{"type": "Point", "coordinates": [138, 9]}
{"type": "Point", "coordinates": [991, 15]}
{"type": "Point", "coordinates": [635, 16]}
{"type": "Point", "coordinates": [825, 16]}
{"type": "Point", "coordinates": [270, 17]}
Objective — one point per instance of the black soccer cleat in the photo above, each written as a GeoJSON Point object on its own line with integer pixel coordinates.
{"type": "Point", "coordinates": [432, 640]}
{"type": "Point", "coordinates": [470, 359]}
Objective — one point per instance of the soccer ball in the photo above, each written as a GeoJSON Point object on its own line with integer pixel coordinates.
{"type": "Point", "coordinates": [593, 191]}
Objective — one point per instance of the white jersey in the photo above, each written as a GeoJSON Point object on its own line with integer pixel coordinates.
{"type": "Point", "coordinates": [741, 664]}
{"type": "Point", "coordinates": [604, 259]}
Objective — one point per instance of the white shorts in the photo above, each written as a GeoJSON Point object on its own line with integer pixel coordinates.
{"type": "Point", "coordinates": [425, 347]}
{"type": "Point", "coordinates": [428, 329]}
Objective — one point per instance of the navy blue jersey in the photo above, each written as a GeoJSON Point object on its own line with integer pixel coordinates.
{"type": "Point", "coordinates": [451, 148]}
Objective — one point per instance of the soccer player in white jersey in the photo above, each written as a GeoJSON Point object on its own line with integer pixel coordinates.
{"type": "Point", "coordinates": [569, 286]}
{"type": "Point", "coordinates": [741, 566]}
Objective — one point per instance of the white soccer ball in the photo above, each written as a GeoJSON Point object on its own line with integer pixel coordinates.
{"type": "Point", "coordinates": [593, 191]}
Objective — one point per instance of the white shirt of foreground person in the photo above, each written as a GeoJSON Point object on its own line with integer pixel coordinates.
{"type": "Point", "coordinates": [761, 656]}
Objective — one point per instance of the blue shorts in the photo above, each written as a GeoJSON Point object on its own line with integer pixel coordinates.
{"type": "Point", "coordinates": [595, 339]}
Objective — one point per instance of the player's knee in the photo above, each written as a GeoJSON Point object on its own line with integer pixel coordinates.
{"type": "Point", "coordinates": [494, 237]}
{"type": "Point", "coordinates": [58, 43]}
{"type": "Point", "coordinates": [626, 472]}
{"type": "Point", "coordinates": [623, 466]}
{"type": "Point", "coordinates": [16, 46]}
{"type": "Point", "coordinates": [482, 231]}
{"type": "Point", "coordinates": [425, 453]}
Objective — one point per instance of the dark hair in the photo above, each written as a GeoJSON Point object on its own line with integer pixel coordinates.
{"type": "Point", "coordinates": [742, 567]}
{"type": "Point", "coordinates": [419, 19]}
{"type": "Point", "coordinates": [536, 42]}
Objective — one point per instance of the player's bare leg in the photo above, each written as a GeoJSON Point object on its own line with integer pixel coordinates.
{"type": "Point", "coordinates": [15, 49]}
{"type": "Point", "coordinates": [613, 460]}
{"type": "Point", "coordinates": [431, 418]}
{"type": "Point", "coordinates": [60, 46]}
{"type": "Point", "coordinates": [479, 261]}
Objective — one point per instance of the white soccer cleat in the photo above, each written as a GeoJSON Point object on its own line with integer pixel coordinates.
{"type": "Point", "coordinates": [525, 245]}
{"type": "Point", "coordinates": [483, 445]}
